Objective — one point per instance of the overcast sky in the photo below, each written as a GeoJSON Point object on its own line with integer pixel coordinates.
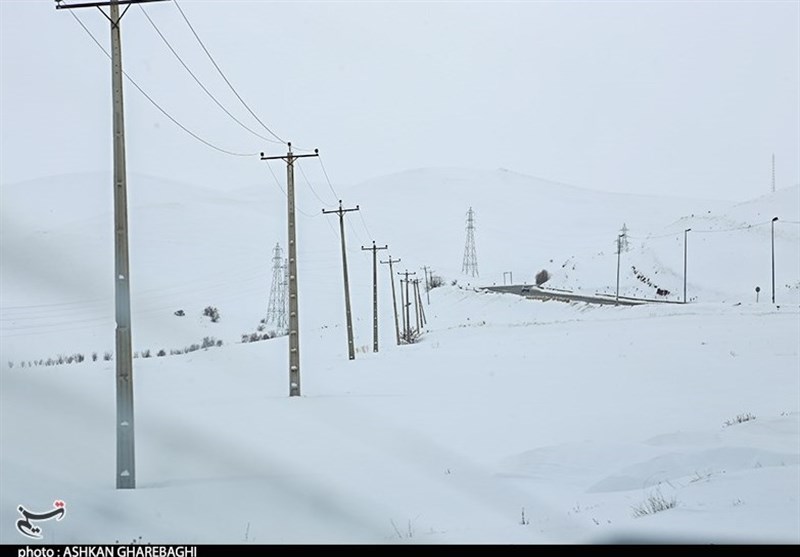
{"type": "Point", "coordinates": [680, 98]}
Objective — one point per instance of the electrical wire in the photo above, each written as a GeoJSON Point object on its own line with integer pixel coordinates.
{"type": "Point", "coordinates": [253, 114]}
{"type": "Point", "coordinates": [155, 104]}
{"type": "Point", "coordinates": [303, 172]}
{"type": "Point", "coordinates": [277, 183]}
{"type": "Point", "coordinates": [330, 185]}
{"type": "Point", "coordinates": [325, 172]}
{"type": "Point", "coordinates": [747, 227]}
{"type": "Point", "coordinates": [197, 80]}
{"type": "Point", "coordinates": [364, 223]}
{"type": "Point", "coordinates": [709, 231]}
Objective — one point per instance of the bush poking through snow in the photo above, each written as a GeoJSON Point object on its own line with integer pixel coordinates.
{"type": "Point", "coordinates": [741, 418]}
{"type": "Point", "coordinates": [212, 313]}
{"type": "Point", "coordinates": [435, 281]}
{"type": "Point", "coordinates": [655, 503]}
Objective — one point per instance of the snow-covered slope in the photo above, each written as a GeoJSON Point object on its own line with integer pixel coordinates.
{"type": "Point", "coordinates": [193, 246]}
{"type": "Point", "coordinates": [575, 416]}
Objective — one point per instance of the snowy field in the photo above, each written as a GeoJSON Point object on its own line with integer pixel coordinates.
{"type": "Point", "coordinates": [511, 421]}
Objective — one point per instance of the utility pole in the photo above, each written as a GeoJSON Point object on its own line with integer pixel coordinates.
{"type": "Point", "coordinates": [126, 457]}
{"type": "Point", "coordinates": [685, 234]}
{"type": "Point", "coordinates": [619, 251]}
{"type": "Point", "coordinates": [350, 345]}
{"type": "Point", "coordinates": [415, 282]}
{"type": "Point", "coordinates": [773, 172]}
{"type": "Point", "coordinates": [394, 298]}
{"type": "Point", "coordinates": [427, 285]}
{"type": "Point", "coordinates": [406, 304]}
{"type": "Point", "coordinates": [374, 249]}
{"type": "Point", "coordinates": [403, 309]}
{"type": "Point", "coordinates": [294, 322]}
{"type": "Point", "coordinates": [421, 310]}
{"type": "Point", "coordinates": [772, 236]}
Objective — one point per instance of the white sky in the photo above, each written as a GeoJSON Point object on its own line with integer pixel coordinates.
{"type": "Point", "coordinates": [682, 98]}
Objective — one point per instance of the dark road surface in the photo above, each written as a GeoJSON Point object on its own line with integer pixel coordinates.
{"type": "Point", "coordinates": [537, 293]}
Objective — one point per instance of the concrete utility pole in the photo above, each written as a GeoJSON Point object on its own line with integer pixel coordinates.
{"type": "Point", "coordinates": [772, 236]}
{"type": "Point", "coordinates": [419, 305]}
{"type": "Point", "coordinates": [773, 172]}
{"type": "Point", "coordinates": [294, 323]}
{"type": "Point", "coordinates": [421, 308]}
{"type": "Point", "coordinates": [126, 457]}
{"type": "Point", "coordinates": [427, 285]}
{"type": "Point", "coordinates": [415, 282]}
{"type": "Point", "coordinates": [407, 305]}
{"type": "Point", "coordinates": [685, 257]}
{"type": "Point", "coordinates": [394, 298]}
{"type": "Point", "coordinates": [619, 252]}
{"type": "Point", "coordinates": [374, 249]}
{"type": "Point", "coordinates": [350, 346]}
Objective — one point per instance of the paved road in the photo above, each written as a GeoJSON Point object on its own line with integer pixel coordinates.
{"type": "Point", "coordinates": [536, 293]}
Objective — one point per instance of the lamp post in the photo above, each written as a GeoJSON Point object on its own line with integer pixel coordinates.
{"type": "Point", "coordinates": [772, 225]}
{"type": "Point", "coordinates": [685, 234]}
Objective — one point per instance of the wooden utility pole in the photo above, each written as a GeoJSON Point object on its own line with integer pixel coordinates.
{"type": "Point", "coordinates": [374, 249]}
{"type": "Point", "coordinates": [407, 305]}
{"type": "Point", "coordinates": [350, 346]}
{"type": "Point", "coordinates": [427, 285]}
{"type": "Point", "coordinates": [394, 298]}
{"type": "Point", "coordinates": [294, 323]}
{"type": "Point", "coordinates": [126, 454]}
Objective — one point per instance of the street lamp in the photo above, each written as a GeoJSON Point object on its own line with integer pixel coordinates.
{"type": "Point", "coordinates": [685, 234]}
{"type": "Point", "coordinates": [772, 225]}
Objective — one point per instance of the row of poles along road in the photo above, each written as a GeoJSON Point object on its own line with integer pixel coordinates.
{"type": "Point", "coordinates": [125, 446]}
{"type": "Point", "coordinates": [125, 450]}
{"type": "Point", "coordinates": [409, 288]}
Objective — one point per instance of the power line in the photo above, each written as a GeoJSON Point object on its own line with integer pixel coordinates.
{"type": "Point", "coordinates": [253, 114]}
{"type": "Point", "coordinates": [197, 80]}
{"type": "Point", "coordinates": [327, 178]}
{"type": "Point", "coordinates": [277, 183]}
{"type": "Point", "coordinates": [155, 104]}
{"type": "Point", "coordinates": [366, 228]}
{"type": "Point", "coordinates": [709, 231]}
{"type": "Point", "coordinates": [303, 172]}
{"type": "Point", "coordinates": [330, 185]}
{"type": "Point", "coordinates": [746, 227]}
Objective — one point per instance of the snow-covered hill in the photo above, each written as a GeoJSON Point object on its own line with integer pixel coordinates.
{"type": "Point", "coordinates": [192, 247]}
{"type": "Point", "coordinates": [574, 415]}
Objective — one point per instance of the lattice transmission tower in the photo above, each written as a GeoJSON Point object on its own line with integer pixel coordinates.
{"type": "Point", "coordinates": [470, 264]}
{"type": "Point", "coordinates": [276, 309]}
